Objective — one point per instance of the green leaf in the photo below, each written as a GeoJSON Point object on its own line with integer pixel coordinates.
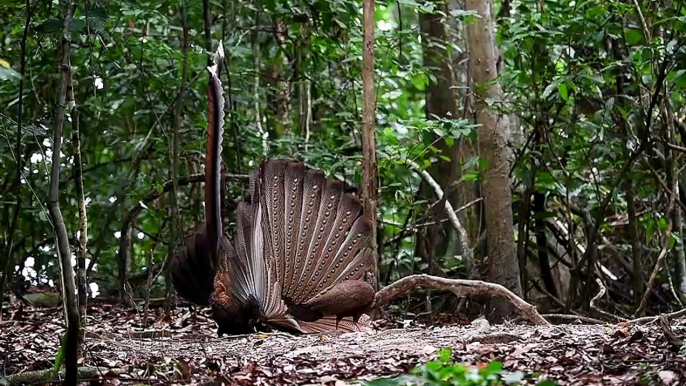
{"type": "Point", "coordinates": [494, 367]}
{"type": "Point", "coordinates": [473, 176]}
{"type": "Point", "coordinates": [650, 230]}
{"type": "Point", "coordinates": [562, 89]}
{"type": "Point", "coordinates": [50, 26]}
{"type": "Point", "coordinates": [633, 36]}
{"type": "Point", "coordinates": [59, 358]}
{"type": "Point", "coordinates": [445, 354]}
{"type": "Point", "coordinates": [77, 25]}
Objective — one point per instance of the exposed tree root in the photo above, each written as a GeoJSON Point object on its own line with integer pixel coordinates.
{"type": "Point", "coordinates": [49, 376]}
{"type": "Point", "coordinates": [460, 288]}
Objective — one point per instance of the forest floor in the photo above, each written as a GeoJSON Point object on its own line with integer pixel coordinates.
{"type": "Point", "coordinates": [119, 350]}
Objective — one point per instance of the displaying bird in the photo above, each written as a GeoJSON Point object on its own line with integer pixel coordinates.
{"type": "Point", "coordinates": [304, 252]}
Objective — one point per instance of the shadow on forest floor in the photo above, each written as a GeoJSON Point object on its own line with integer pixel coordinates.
{"type": "Point", "coordinates": [187, 350]}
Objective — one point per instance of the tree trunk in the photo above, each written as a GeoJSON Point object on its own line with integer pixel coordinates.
{"type": "Point", "coordinates": [71, 342]}
{"type": "Point", "coordinates": [369, 177]}
{"type": "Point", "coordinates": [441, 102]}
{"type": "Point", "coordinates": [83, 217]}
{"type": "Point", "coordinates": [503, 267]}
{"type": "Point", "coordinates": [255, 43]}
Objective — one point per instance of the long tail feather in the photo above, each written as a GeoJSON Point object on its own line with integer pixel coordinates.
{"type": "Point", "coordinates": [193, 269]}
{"type": "Point", "coordinates": [214, 154]}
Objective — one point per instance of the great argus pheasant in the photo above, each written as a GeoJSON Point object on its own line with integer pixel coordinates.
{"type": "Point", "coordinates": [303, 256]}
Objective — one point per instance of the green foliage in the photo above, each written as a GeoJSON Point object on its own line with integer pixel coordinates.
{"type": "Point", "coordinates": [444, 372]}
{"type": "Point", "coordinates": [59, 358]}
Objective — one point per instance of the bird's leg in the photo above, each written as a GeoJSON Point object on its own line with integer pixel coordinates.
{"type": "Point", "coordinates": [356, 318]}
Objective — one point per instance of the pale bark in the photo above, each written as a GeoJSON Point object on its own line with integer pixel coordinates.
{"type": "Point", "coordinates": [83, 218]}
{"type": "Point", "coordinates": [369, 177]}
{"type": "Point", "coordinates": [71, 342]}
{"type": "Point", "coordinates": [503, 267]}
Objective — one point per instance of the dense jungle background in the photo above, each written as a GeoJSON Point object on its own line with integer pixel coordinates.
{"type": "Point", "coordinates": [566, 174]}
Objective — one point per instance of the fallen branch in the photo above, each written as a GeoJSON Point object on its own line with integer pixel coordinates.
{"type": "Point", "coordinates": [573, 318]}
{"type": "Point", "coordinates": [460, 288]}
{"type": "Point", "coordinates": [653, 319]}
{"type": "Point", "coordinates": [49, 376]}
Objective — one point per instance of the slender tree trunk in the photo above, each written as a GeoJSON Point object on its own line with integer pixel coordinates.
{"type": "Point", "coordinates": [369, 177]}
{"type": "Point", "coordinates": [176, 233]}
{"type": "Point", "coordinates": [83, 217]}
{"type": "Point", "coordinates": [503, 267]}
{"type": "Point", "coordinates": [680, 256]}
{"type": "Point", "coordinates": [278, 87]}
{"type": "Point", "coordinates": [628, 184]}
{"type": "Point", "coordinates": [255, 42]}
{"type": "Point", "coordinates": [672, 177]}
{"type": "Point", "coordinates": [546, 271]}
{"type": "Point", "coordinates": [61, 236]}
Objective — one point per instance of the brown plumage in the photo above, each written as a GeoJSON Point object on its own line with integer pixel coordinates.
{"type": "Point", "coordinates": [303, 253]}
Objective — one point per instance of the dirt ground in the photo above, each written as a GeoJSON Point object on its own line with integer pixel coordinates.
{"type": "Point", "coordinates": [118, 349]}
